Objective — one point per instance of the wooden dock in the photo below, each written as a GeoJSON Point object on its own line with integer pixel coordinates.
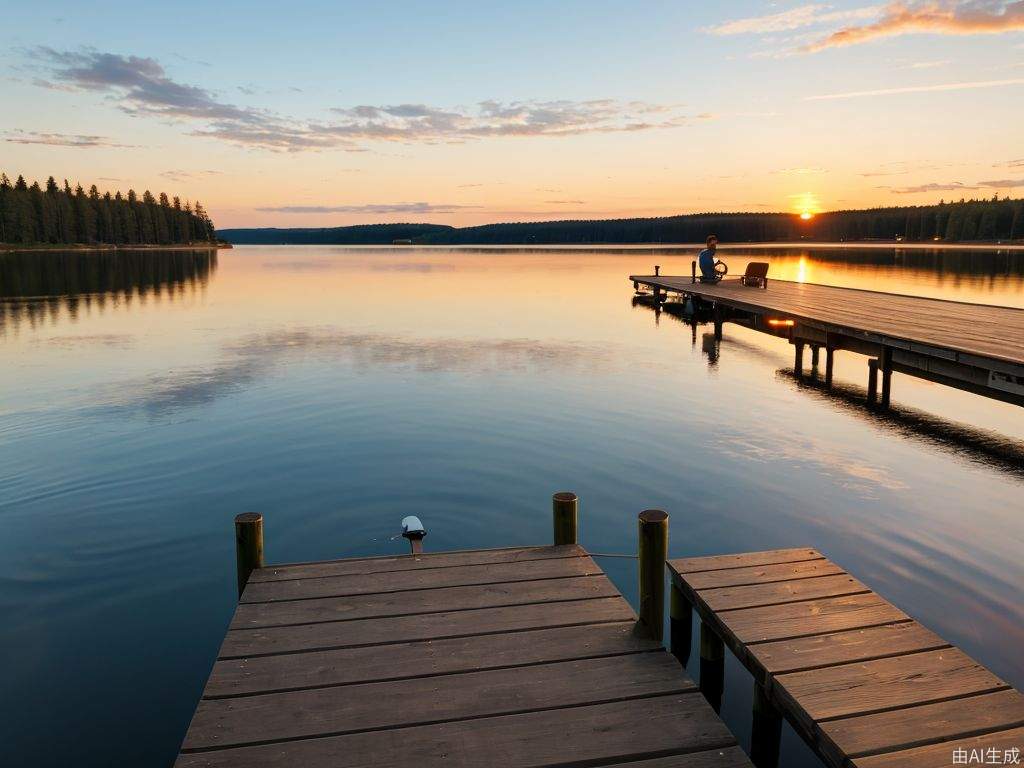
{"type": "Point", "coordinates": [862, 682]}
{"type": "Point", "coordinates": [978, 348]}
{"type": "Point", "coordinates": [511, 657]}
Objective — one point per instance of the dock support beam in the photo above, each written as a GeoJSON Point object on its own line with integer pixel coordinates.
{"type": "Point", "coordinates": [798, 361]}
{"type": "Point", "coordinates": [718, 323]}
{"type": "Point", "coordinates": [653, 552]}
{"type": "Point", "coordinates": [765, 730]}
{"type": "Point", "coordinates": [248, 546]}
{"type": "Point", "coordinates": [564, 513]}
{"type": "Point", "coordinates": [830, 354]}
{"type": "Point", "coordinates": [680, 617]}
{"type": "Point", "coordinates": [872, 381]}
{"type": "Point", "coordinates": [886, 363]}
{"type": "Point", "coordinates": [712, 666]}
{"type": "Point", "coordinates": [815, 349]}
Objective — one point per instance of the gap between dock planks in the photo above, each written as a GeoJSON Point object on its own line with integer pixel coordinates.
{"type": "Point", "coordinates": [862, 682]}
{"type": "Point", "coordinates": [519, 657]}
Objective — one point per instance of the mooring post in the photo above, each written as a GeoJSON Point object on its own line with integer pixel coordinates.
{"type": "Point", "coordinates": [248, 546]}
{"type": "Point", "coordinates": [657, 270]}
{"type": "Point", "coordinates": [872, 380]}
{"type": "Point", "coordinates": [712, 666]}
{"type": "Point", "coordinates": [765, 730]}
{"type": "Point", "coordinates": [680, 625]}
{"type": "Point", "coordinates": [564, 509]}
{"type": "Point", "coordinates": [693, 271]}
{"type": "Point", "coordinates": [830, 354]}
{"type": "Point", "coordinates": [798, 361]}
{"type": "Point", "coordinates": [886, 364]}
{"type": "Point", "coordinates": [652, 543]}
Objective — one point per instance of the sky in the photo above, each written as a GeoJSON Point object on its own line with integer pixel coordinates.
{"type": "Point", "coordinates": [316, 114]}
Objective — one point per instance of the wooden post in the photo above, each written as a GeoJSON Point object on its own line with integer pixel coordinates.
{"type": "Point", "coordinates": [815, 348]}
{"type": "Point", "coordinates": [693, 271]}
{"type": "Point", "coordinates": [712, 666]}
{"type": "Point", "coordinates": [872, 380]}
{"type": "Point", "coordinates": [653, 551]}
{"type": "Point", "coordinates": [718, 323]}
{"type": "Point", "coordinates": [564, 506]}
{"type": "Point", "coordinates": [886, 364]}
{"type": "Point", "coordinates": [765, 730]}
{"type": "Point", "coordinates": [798, 361]}
{"type": "Point", "coordinates": [680, 620]}
{"type": "Point", "coordinates": [248, 546]}
{"type": "Point", "coordinates": [830, 354]}
{"type": "Point", "coordinates": [657, 270]}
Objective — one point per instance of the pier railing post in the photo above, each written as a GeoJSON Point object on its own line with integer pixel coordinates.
{"type": "Point", "coordinates": [564, 513]}
{"type": "Point", "coordinates": [886, 364]}
{"type": "Point", "coordinates": [680, 625]}
{"type": "Point", "coordinates": [765, 730]}
{"type": "Point", "coordinates": [712, 666]}
{"type": "Point", "coordinates": [248, 546]}
{"type": "Point", "coordinates": [652, 553]}
{"type": "Point", "coordinates": [872, 380]}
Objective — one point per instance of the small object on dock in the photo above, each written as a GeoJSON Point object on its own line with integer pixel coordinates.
{"type": "Point", "coordinates": [413, 530]}
{"type": "Point", "coordinates": [865, 685]}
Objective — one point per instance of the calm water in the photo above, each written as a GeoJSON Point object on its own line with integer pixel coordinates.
{"type": "Point", "coordinates": [147, 398]}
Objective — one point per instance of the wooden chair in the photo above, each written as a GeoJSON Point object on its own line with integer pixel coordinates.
{"type": "Point", "coordinates": [756, 274]}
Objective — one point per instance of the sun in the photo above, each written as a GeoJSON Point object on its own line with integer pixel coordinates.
{"type": "Point", "coordinates": [806, 215]}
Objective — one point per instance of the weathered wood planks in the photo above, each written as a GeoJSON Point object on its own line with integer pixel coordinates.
{"type": "Point", "coordinates": [860, 680]}
{"type": "Point", "coordinates": [519, 657]}
{"type": "Point", "coordinates": [984, 331]}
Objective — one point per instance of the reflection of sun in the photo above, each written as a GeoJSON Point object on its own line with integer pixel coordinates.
{"type": "Point", "coordinates": [806, 215]}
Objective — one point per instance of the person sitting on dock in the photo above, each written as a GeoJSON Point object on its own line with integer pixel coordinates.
{"type": "Point", "coordinates": [710, 272]}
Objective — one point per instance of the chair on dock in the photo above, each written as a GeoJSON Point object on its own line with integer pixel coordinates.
{"type": "Point", "coordinates": [756, 274]}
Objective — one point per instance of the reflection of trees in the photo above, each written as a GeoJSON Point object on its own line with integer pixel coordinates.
{"type": "Point", "coordinates": [36, 284]}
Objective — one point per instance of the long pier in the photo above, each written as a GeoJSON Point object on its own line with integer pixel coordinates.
{"type": "Point", "coordinates": [973, 347]}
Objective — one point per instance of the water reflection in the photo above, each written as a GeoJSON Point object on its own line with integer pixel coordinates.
{"type": "Point", "coordinates": [35, 285]}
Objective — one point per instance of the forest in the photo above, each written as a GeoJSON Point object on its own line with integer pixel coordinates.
{"type": "Point", "coordinates": [995, 220]}
{"type": "Point", "coordinates": [54, 215]}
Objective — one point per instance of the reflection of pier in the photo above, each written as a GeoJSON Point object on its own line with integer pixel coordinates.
{"type": "Point", "coordinates": [36, 283]}
{"type": "Point", "coordinates": [973, 347]}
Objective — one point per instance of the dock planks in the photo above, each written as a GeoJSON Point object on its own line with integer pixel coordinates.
{"type": "Point", "coordinates": [519, 657]}
{"type": "Point", "coordinates": [862, 682]}
{"type": "Point", "coordinates": [982, 332]}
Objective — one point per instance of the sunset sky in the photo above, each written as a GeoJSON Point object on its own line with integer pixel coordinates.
{"type": "Point", "coordinates": [327, 113]}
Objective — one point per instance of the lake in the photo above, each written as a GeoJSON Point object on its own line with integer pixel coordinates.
{"type": "Point", "coordinates": [148, 397]}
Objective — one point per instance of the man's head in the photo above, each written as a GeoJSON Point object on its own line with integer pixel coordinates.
{"type": "Point", "coordinates": [712, 241]}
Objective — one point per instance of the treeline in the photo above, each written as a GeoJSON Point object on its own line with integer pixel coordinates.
{"type": "Point", "coordinates": [992, 220]}
{"type": "Point", "coordinates": [54, 215]}
{"type": "Point", "coordinates": [361, 234]}
{"type": "Point", "coordinates": [964, 221]}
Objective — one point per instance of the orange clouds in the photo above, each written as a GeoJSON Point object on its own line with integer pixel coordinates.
{"type": "Point", "coordinates": [937, 17]}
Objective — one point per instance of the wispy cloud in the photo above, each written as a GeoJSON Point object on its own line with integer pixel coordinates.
{"type": "Point", "coordinates": [795, 18]}
{"type": "Point", "coordinates": [77, 140]}
{"type": "Point", "coordinates": [929, 64]}
{"type": "Point", "coordinates": [188, 175]}
{"type": "Point", "coordinates": [953, 186]}
{"type": "Point", "coordinates": [1010, 164]}
{"type": "Point", "coordinates": [919, 89]}
{"type": "Point", "coordinates": [1002, 183]}
{"type": "Point", "coordinates": [370, 208]}
{"type": "Point", "coordinates": [945, 17]}
{"type": "Point", "coordinates": [141, 86]}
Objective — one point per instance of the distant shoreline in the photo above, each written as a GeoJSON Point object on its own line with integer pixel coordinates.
{"type": "Point", "coordinates": [11, 247]}
{"type": "Point", "coordinates": [861, 244]}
